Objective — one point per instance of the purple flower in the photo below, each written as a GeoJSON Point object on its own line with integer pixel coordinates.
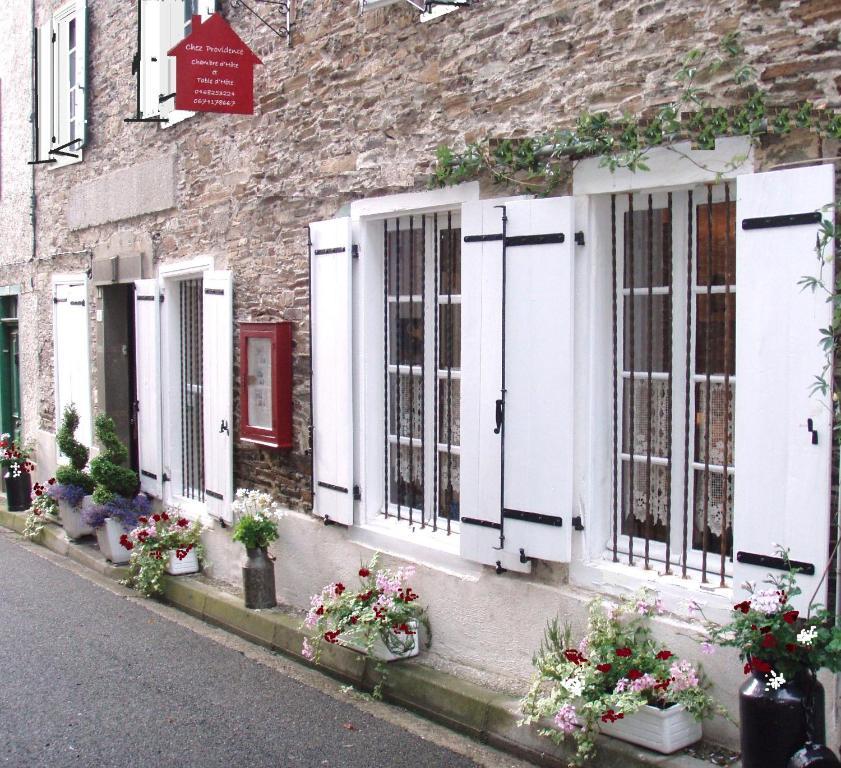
{"type": "Point", "coordinates": [565, 719]}
{"type": "Point", "coordinates": [70, 494]}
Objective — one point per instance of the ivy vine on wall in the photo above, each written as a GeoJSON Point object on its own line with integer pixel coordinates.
{"type": "Point", "coordinates": [539, 163]}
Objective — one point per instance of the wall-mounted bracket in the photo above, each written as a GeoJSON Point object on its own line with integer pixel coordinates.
{"type": "Point", "coordinates": [499, 569]}
{"type": "Point", "coordinates": [282, 6]}
{"type": "Point", "coordinates": [523, 558]}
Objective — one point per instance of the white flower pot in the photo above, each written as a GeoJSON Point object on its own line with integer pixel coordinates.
{"type": "Point", "coordinates": [379, 650]}
{"type": "Point", "coordinates": [176, 567]}
{"type": "Point", "coordinates": [71, 518]}
{"type": "Point", "coordinates": [662, 730]}
{"type": "Point", "coordinates": [108, 538]}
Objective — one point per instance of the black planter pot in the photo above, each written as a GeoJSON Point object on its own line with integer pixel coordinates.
{"type": "Point", "coordinates": [18, 491]}
{"type": "Point", "coordinates": [258, 579]}
{"type": "Point", "coordinates": [814, 756]}
{"type": "Point", "coordinates": [774, 722]}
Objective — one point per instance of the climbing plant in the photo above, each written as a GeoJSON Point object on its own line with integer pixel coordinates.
{"type": "Point", "coordinates": [538, 163]}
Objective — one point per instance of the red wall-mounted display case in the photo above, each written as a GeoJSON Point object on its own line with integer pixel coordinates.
{"type": "Point", "coordinates": [266, 384]}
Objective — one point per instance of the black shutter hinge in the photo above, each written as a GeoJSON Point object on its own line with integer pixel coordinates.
{"type": "Point", "coordinates": [499, 569]}
{"type": "Point", "coordinates": [523, 558]}
{"type": "Point", "coordinates": [577, 523]}
{"type": "Point", "coordinates": [357, 493]}
{"type": "Point", "coordinates": [165, 478]}
{"type": "Point", "coordinates": [810, 425]}
{"type": "Point", "coordinates": [135, 63]}
{"type": "Point", "coordinates": [579, 238]}
{"type": "Point", "coordinates": [354, 251]}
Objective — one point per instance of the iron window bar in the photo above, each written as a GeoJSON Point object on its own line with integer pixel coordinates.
{"type": "Point", "coordinates": [614, 313]}
{"type": "Point", "coordinates": [688, 377]}
{"type": "Point", "coordinates": [386, 390]}
{"type": "Point", "coordinates": [629, 239]}
{"type": "Point", "coordinates": [450, 331]}
{"type": "Point", "coordinates": [725, 477]}
{"type": "Point", "coordinates": [435, 363]}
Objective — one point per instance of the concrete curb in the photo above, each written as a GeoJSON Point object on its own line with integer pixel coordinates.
{"type": "Point", "coordinates": [478, 712]}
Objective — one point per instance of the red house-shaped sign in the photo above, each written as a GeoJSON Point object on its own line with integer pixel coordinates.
{"type": "Point", "coordinates": [214, 69]}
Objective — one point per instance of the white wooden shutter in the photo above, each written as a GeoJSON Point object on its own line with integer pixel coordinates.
{"type": "Point", "coordinates": [81, 74]}
{"type": "Point", "coordinates": [72, 369]}
{"type": "Point", "coordinates": [147, 333]}
{"type": "Point", "coordinates": [538, 371]}
{"type": "Point", "coordinates": [153, 58]}
{"type": "Point", "coordinates": [218, 364]}
{"type": "Point", "coordinates": [332, 369]}
{"type": "Point", "coordinates": [44, 77]}
{"type": "Point", "coordinates": [782, 479]}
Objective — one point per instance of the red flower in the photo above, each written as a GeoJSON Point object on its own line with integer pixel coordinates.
{"type": "Point", "coordinates": [183, 522]}
{"type": "Point", "coordinates": [664, 655]}
{"type": "Point", "coordinates": [158, 555]}
{"type": "Point", "coordinates": [320, 611]}
{"type": "Point", "coordinates": [364, 572]}
{"type": "Point", "coordinates": [769, 641]}
{"type": "Point", "coordinates": [744, 606]}
{"type": "Point", "coordinates": [164, 516]}
{"type": "Point", "coordinates": [125, 543]}
{"type": "Point", "coordinates": [634, 674]}
{"type": "Point", "coordinates": [611, 717]}
{"type": "Point", "coordinates": [624, 653]}
{"type": "Point", "coordinates": [330, 637]}
{"type": "Point", "coordinates": [758, 665]}
{"type": "Point", "coordinates": [791, 647]}
{"type": "Point", "coordinates": [182, 553]}
{"type": "Point", "coordinates": [365, 596]}
{"type": "Point", "coordinates": [142, 536]}
{"type": "Point", "coordinates": [339, 588]}
{"type": "Point", "coordinates": [51, 481]}
{"type": "Point", "coordinates": [156, 518]}
{"type": "Point", "coordinates": [605, 668]}
{"type": "Point", "coordinates": [662, 685]}
{"type": "Point", "coordinates": [747, 668]}
{"type": "Point", "coordinates": [765, 630]}
{"type": "Point", "coordinates": [143, 520]}
{"type": "Point", "coordinates": [789, 617]}
{"type": "Point", "coordinates": [353, 619]}
{"type": "Point", "coordinates": [574, 656]}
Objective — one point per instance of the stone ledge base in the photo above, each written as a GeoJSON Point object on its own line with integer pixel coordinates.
{"type": "Point", "coordinates": [483, 714]}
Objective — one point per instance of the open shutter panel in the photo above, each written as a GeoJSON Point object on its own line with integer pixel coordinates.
{"type": "Point", "coordinates": [72, 372]}
{"type": "Point", "coordinates": [147, 325]}
{"type": "Point", "coordinates": [536, 416]}
{"type": "Point", "coordinates": [151, 66]}
{"type": "Point", "coordinates": [81, 73]}
{"type": "Point", "coordinates": [332, 353]}
{"type": "Point", "coordinates": [783, 439]}
{"type": "Point", "coordinates": [44, 79]}
{"type": "Point", "coordinates": [217, 364]}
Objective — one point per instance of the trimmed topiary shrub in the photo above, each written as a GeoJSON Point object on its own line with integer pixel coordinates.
{"type": "Point", "coordinates": [111, 477]}
{"type": "Point", "coordinates": [77, 453]}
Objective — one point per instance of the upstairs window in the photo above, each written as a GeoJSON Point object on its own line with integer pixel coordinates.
{"type": "Point", "coordinates": [163, 23]}
{"type": "Point", "coordinates": [61, 83]}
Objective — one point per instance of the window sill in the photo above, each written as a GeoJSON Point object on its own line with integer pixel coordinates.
{"type": "Point", "coordinates": [616, 579]}
{"type": "Point", "coordinates": [420, 545]}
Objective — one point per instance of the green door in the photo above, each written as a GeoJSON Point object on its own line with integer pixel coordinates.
{"type": "Point", "coordinates": [10, 415]}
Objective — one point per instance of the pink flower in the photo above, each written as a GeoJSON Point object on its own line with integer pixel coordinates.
{"type": "Point", "coordinates": [683, 675]}
{"type": "Point", "coordinates": [307, 651]}
{"type": "Point", "coordinates": [707, 648]}
{"type": "Point", "coordinates": [565, 719]}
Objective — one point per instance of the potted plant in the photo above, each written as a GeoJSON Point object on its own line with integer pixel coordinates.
{"type": "Point", "coordinates": [44, 508]}
{"type": "Point", "coordinates": [74, 485]}
{"type": "Point", "coordinates": [381, 618]}
{"type": "Point", "coordinates": [117, 505]}
{"type": "Point", "coordinates": [162, 543]}
{"type": "Point", "coordinates": [17, 472]}
{"type": "Point", "coordinates": [619, 680]}
{"type": "Point", "coordinates": [781, 703]}
{"type": "Point", "coordinates": [256, 515]}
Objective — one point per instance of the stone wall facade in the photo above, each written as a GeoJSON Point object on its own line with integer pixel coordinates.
{"type": "Point", "coordinates": [355, 109]}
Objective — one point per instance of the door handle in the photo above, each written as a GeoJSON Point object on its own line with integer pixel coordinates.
{"type": "Point", "coordinates": [499, 416]}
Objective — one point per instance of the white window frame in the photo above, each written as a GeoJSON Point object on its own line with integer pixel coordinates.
{"type": "Point", "coordinates": [169, 277]}
{"type": "Point", "coordinates": [371, 527]}
{"type": "Point", "coordinates": [592, 566]}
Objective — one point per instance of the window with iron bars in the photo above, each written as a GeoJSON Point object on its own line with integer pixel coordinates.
{"type": "Point", "coordinates": [674, 320]}
{"type": "Point", "coordinates": [191, 378]}
{"type": "Point", "coordinates": [422, 369]}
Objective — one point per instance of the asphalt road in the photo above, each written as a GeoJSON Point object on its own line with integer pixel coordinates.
{"type": "Point", "coordinates": [90, 676]}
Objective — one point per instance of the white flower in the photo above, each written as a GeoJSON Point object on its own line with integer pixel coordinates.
{"type": "Point", "coordinates": [807, 636]}
{"type": "Point", "coordinates": [575, 686]}
{"type": "Point", "coordinates": [776, 681]}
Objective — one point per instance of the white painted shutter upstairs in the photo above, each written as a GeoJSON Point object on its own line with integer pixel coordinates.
{"type": "Point", "coordinates": [147, 325]}
{"type": "Point", "coordinates": [782, 480]}
{"type": "Point", "coordinates": [72, 370]}
{"type": "Point", "coordinates": [44, 77]}
{"type": "Point", "coordinates": [217, 383]}
{"type": "Point", "coordinates": [151, 46]}
{"type": "Point", "coordinates": [81, 73]}
{"type": "Point", "coordinates": [332, 355]}
{"type": "Point", "coordinates": [538, 398]}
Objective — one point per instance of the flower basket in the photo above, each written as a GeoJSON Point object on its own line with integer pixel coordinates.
{"type": "Point", "coordinates": [187, 563]}
{"type": "Point", "coordinates": [108, 537]}
{"type": "Point", "coordinates": [71, 518]}
{"type": "Point", "coordinates": [404, 645]}
{"type": "Point", "coordinates": [662, 730]}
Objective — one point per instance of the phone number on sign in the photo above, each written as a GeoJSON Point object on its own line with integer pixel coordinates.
{"type": "Point", "coordinates": [214, 102]}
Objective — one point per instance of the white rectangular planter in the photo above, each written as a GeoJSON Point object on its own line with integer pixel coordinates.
{"type": "Point", "coordinates": [176, 567]}
{"type": "Point", "coordinates": [108, 538]}
{"type": "Point", "coordinates": [663, 730]}
{"type": "Point", "coordinates": [379, 650]}
{"type": "Point", "coordinates": [71, 518]}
